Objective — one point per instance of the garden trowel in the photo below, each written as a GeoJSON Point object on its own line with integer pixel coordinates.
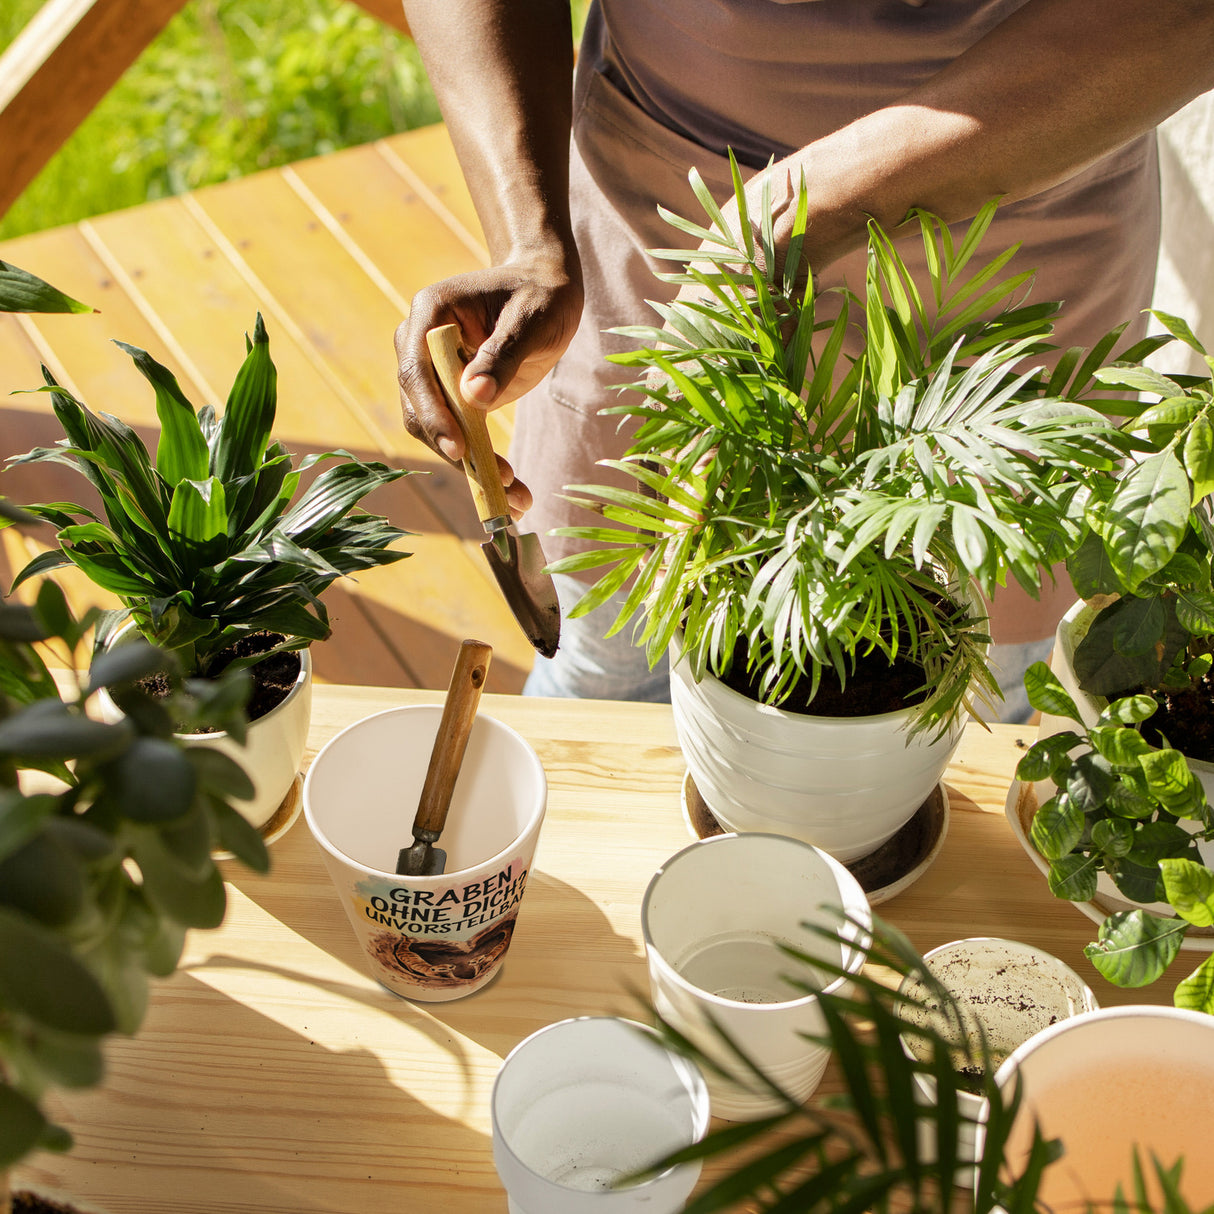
{"type": "Point", "coordinates": [422, 858]}
{"type": "Point", "coordinates": [517, 560]}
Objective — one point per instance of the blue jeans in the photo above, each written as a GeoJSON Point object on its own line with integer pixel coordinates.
{"type": "Point", "coordinates": [589, 667]}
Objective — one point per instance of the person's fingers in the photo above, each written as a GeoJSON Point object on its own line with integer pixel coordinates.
{"type": "Point", "coordinates": [518, 496]}
{"type": "Point", "coordinates": [423, 407]}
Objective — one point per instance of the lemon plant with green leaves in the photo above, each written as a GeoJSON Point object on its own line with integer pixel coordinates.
{"type": "Point", "coordinates": [804, 505]}
{"type": "Point", "coordinates": [211, 539]}
{"type": "Point", "coordinates": [1134, 811]}
{"type": "Point", "coordinates": [1149, 537]}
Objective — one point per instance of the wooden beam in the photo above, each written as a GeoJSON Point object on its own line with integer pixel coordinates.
{"type": "Point", "coordinates": [56, 70]}
{"type": "Point", "coordinates": [390, 12]}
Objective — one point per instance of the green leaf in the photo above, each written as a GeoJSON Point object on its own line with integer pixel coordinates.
{"type": "Point", "coordinates": [21, 1121]}
{"type": "Point", "coordinates": [182, 453]}
{"type": "Point", "coordinates": [48, 729]}
{"type": "Point", "coordinates": [1199, 457]}
{"type": "Point", "coordinates": [58, 991]}
{"type": "Point", "coordinates": [1057, 827]}
{"type": "Point", "coordinates": [1190, 890]}
{"type": "Point", "coordinates": [1073, 877]}
{"type": "Point", "coordinates": [1047, 694]}
{"type": "Point", "coordinates": [153, 781]}
{"type": "Point", "coordinates": [1134, 948]}
{"type": "Point", "coordinates": [1172, 784]}
{"type": "Point", "coordinates": [125, 663]}
{"type": "Point", "coordinates": [68, 1060]}
{"type": "Point", "coordinates": [1114, 837]}
{"type": "Point", "coordinates": [1196, 992]}
{"type": "Point", "coordinates": [248, 418]}
{"type": "Point", "coordinates": [21, 291]}
{"type": "Point", "coordinates": [1147, 518]}
{"type": "Point", "coordinates": [194, 903]}
{"type": "Point", "coordinates": [199, 511]}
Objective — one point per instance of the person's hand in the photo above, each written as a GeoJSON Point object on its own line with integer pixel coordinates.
{"type": "Point", "coordinates": [516, 322]}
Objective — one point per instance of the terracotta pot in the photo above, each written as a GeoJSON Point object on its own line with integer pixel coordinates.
{"type": "Point", "coordinates": [1108, 1080]}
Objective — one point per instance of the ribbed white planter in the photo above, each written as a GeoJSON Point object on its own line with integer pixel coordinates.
{"type": "Point", "coordinates": [274, 750]}
{"type": "Point", "coordinates": [844, 784]}
{"type": "Point", "coordinates": [1072, 628]}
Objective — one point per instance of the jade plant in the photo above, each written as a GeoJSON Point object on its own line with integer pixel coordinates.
{"type": "Point", "coordinates": [1134, 811]}
{"type": "Point", "coordinates": [107, 833]}
{"type": "Point", "coordinates": [800, 508]}
{"type": "Point", "coordinates": [211, 540]}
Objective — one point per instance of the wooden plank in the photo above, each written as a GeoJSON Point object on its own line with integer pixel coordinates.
{"type": "Point", "coordinates": [426, 159]}
{"type": "Point", "coordinates": [55, 71]}
{"type": "Point", "coordinates": [80, 349]}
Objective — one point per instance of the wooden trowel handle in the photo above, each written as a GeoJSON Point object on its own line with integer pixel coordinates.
{"type": "Point", "coordinates": [459, 712]}
{"type": "Point", "coordinates": [480, 463]}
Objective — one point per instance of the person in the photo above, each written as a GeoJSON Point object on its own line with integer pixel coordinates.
{"type": "Point", "coordinates": [881, 105]}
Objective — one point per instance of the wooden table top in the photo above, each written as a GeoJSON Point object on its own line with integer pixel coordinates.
{"type": "Point", "coordinates": [274, 1076]}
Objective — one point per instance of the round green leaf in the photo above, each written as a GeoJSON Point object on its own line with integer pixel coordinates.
{"type": "Point", "coordinates": [42, 979]}
{"type": "Point", "coordinates": [48, 729]}
{"type": "Point", "coordinates": [44, 880]}
{"type": "Point", "coordinates": [1044, 756]}
{"type": "Point", "coordinates": [1089, 783]}
{"type": "Point", "coordinates": [1134, 948]}
{"type": "Point", "coordinates": [1113, 837]}
{"type": "Point", "coordinates": [70, 1061]}
{"type": "Point", "coordinates": [1172, 784]}
{"type": "Point", "coordinates": [125, 664]}
{"type": "Point", "coordinates": [153, 781]}
{"type": "Point", "coordinates": [21, 1125]}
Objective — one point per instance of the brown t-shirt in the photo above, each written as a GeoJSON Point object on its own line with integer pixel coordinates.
{"type": "Point", "coordinates": [664, 85]}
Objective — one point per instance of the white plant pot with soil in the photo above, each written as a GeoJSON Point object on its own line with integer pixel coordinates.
{"type": "Point", "coordinates": [1072, 628]}
{"type": "Point", "coordinates": [1012, 991]}
{"type": "Point", "coordinates": [844, 784]}
{"type": "Point", "coordinates": [271, 757]}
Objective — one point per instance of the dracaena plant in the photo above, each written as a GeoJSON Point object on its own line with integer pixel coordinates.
{"type": "Point", "coordinates": [1134, 811]}
{"type": "Point", "coordinates": [106, 840]}
{"type": "Point", "coordinates": [804, 506]}
{"type": "Point", "coordinates": [211, 540]}
{"type": "Point", "coordinates": [1146, 554]}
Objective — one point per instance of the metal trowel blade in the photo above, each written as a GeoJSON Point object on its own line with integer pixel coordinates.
{"type": "Point", "coordinates": [526, 585]}
{"type": "Point", "coordinates": [422, 859]}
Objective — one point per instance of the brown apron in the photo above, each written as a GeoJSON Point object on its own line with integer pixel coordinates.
{"type": "Point", "coordinates": [663, 85]}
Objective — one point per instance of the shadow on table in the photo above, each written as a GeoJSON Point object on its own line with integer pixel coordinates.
{"type": "Point", "coordinates": [215, 1106]}
{"type": "Point", "coordinates": [565, 958]}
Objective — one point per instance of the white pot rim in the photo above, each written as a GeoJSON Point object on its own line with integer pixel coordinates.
{"type": "Point", "coordinates": [851, 897]}
{"type": "Point", "coordinates": [301, 681]}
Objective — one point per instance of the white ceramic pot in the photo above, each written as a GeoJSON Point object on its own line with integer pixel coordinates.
{"type": "Point", "coordinates": [844, 784]}
{"type": "Point", "coordinates": [1107, 1080]}
{"type": "Point", "coordinates": [1072, 628]}
{"type": "Point", "coordinates": [274, 749]}
{"type": "Point", "coordinates": [1013, 991]}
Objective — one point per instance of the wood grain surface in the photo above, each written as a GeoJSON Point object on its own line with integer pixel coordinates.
{"type": "Point", "coordinates": [275, 1076]}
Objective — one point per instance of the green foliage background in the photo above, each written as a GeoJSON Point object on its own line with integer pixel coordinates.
{"type": "Point", "coordinates": [229, 87]}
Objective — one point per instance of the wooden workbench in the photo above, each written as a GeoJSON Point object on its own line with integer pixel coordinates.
{"type": "Point", "coordinates": [274, 1076]}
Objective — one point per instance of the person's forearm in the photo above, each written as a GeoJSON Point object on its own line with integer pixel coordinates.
{"type": "Point", "coordinates": [502, 73]}
{"type": "Point", "coordinates": [1053, 88]}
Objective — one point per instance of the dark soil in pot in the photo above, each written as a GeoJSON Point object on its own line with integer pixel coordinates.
{"type": "Point", "coordinates": [1184, 720]}
{"type": "Point", "coordinates": [874, 687]}
{"type": "Point", "coordinates": [31, 1203]}
{"type": "Point", "coordinates": [273, 678]}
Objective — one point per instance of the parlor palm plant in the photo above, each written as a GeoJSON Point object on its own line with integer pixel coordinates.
{"type": "Point", "coordinates": [800, 508]}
